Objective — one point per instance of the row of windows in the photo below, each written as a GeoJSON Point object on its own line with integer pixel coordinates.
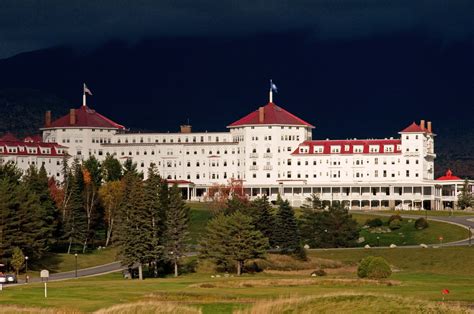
{"type": "Point", "coordinates": [194, 139]}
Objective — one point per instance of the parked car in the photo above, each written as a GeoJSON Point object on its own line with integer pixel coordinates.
{"type": "Point", "coordinates": [11, 278]}
{"type": "Point", "coordinates": [3, 279]}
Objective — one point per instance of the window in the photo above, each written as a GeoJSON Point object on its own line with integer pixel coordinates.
{"type": "Point", "coordinates": [408, 173]}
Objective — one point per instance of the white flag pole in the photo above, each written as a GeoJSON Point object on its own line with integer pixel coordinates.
{"type": "Point", "coordinates": [84, 95]}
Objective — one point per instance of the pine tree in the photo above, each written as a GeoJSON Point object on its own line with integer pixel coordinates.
{"type": "Point", "coordinates": [152, 204]}
{"type": "Point", "coordinates": [177, 220]}
{"type": "Point", "coordinates": [130, 167]}
{"type": "Point", "coordinates": [8, 204]}
{"type": "Point", "coordinates": [466, 198]}
{"type": "Point", "coordinates": [111, 169]}
{"type": "Point", "coordinates": [332, 228]}
{"type": "Point", "coordinates": [286, 232]}
{"type": "Point", "coordinates": [75, 224]}
{"type": "Point", "coordinates": [264, 220]}
{"type": "Point", "coordinates": [232, 239]}
{"type": "Point", "coordinates": [37, 182]}
{"type": "Point", "coordinates": [134, 230]}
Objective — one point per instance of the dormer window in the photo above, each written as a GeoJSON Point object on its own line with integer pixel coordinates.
{"type": "Point", "coordinates": [335, 149]}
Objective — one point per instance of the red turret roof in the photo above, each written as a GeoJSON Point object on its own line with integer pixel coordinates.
{"type": "Point", "coordinates": [86, 117]}
{"type": "Point", "coordinates": [449, 176]}
{"type": "Point", "coordinates": [414, 128]}
{"type": "Point", "coordinates": [272, 114]}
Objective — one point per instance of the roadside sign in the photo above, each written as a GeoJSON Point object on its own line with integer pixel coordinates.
{"type": "Point", "coordinates": [44, 274]}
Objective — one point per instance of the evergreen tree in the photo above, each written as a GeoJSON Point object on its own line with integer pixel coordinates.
{"type": "Point", "coordinates": [111, 169]}
{"type": "Point", "coordinates": [332, 228]}
{"type": "Point", "coordinates": [75, 224]}
{"type": "Point", "coordinates": [264, 220]}
{"type": "Point", "coordinates": [466, 198]}
{"type": "Point", "coordinates": [177, 220]}
{"type": "Point", "coordinates": [130, 167]}
{"type": "Point", "coordinates": [134, 229]}
{"type": "Point", "coordinates": [313, 202]}
{"type": "Point", "coordinates": [232, 239]}
{"type": "Point", "coordinates": [152, 204]}
{"type": "Point", "coordinates": [286, 232]}
{"type": "Point", "coordinates": [8, 204]}
{"type": "Point", "coordinates": [164, 203]}
{"type": "Point", "coordinates": [38, 183]}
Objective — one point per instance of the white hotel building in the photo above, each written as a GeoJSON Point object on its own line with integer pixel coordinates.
{"type": "Point", "coordinates": [270, 150]}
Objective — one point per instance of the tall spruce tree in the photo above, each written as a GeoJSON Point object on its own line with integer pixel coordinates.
{"type": "Point", "coordinates": [8, 205]}
{"type": "Point", "coordinates": [37, 183]}
{"type": "Point", "coordinates": [153, 206]}
{"type": "Point", "coordinates": [111, 169]}
{"type": "Point", "coordinates": [75, 224]}
{"type": "Point", "coordinates": [177, 220]}
{"type": "Point", "coordinates": [232, 239]}
{"type": "Point", "coordinates": [286, 232]}
{"type": "Point", "coordinates": [134, 230]}
{"type": "Point", "coordinates": [263, 218]}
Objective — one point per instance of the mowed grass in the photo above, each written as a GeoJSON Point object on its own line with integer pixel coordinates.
{"type": "Point", "coordinates": [200, 214]}
{"type": "Point", "coordinates": [419, 276]}
{"type": "Point", "coordinates": [408, 235]}
{"type": "Point", "coordinates": [429, 213]}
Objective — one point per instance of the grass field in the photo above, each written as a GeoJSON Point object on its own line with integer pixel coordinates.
{"type": "Point", "coordinates": [419, 276]}
{"type": "Point", "coordinates": [429, 213]}
{"type": "Point", "coordinates": [408, 235]}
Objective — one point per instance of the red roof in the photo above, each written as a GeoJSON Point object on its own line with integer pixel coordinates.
{"type": "Point", "coordinates": [449, 176]}
{"type": "Point", "coordinates": [347, 146]}
{"type": "Point", "coordinates": [414, 128]}
{"type": "Point", "coordinates": [9, 137]}
{"type": "Point", "coordinates": [11, 146]}
{"type": "Point", "coordinates": [272, 114]}
{"type": "Point", "coordinates": [86, 117]}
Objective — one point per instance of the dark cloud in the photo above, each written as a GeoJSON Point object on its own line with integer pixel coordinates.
{"type": "Point", "coordinates": [33, 24]}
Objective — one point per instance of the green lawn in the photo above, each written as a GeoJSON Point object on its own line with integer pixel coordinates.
{"type": "Point", "coordinates": [420, 274]}
{"type": "Point", "coordinates": [199, 216]}
{"type": "Point", "coordinates": [408, 235]}
{"type": "Point", "coordinates": [434, 213]}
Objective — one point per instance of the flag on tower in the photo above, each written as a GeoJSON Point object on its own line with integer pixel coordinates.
{"type": "Point", "coordinates": [87, 90]}
{"type": "Point", "coordinates": [273, 87]}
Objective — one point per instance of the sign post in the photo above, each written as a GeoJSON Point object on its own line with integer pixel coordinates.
{"type": "Point", "coordinates": [44, 274]}
{"type": "Point", "coordinates": [440, 240]}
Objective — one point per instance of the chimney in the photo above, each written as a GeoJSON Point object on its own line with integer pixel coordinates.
{"type": "Point", "coordinates": [422, 124]}
{"type": "Point", "coordinates": [429, 127]}
{"type": "Point", "coordinates": [185, 128]}
{"type": "Point", "coordinates": [261, 114]}
{"type": "Point", "coordinates": [47, 119]}
{"type": "Point", "coordinates": [72, 116]}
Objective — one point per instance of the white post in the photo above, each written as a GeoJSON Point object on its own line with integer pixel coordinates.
{"type": "Point", "coordinates": [45, 289]}
{"type": "Point", "coordinates": [271, 95]}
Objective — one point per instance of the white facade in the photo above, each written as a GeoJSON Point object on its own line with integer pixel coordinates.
{"type": "Point", "coordinates": [272, 152]}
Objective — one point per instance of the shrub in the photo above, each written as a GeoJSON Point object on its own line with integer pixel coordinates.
{"type": "Point", "coordinates": [394, 217]}
{"type": "Point", "coordinates": [378, 269]}
{"type": "Point", "coordinates": [374, 268]}
{"type": "Point", "coordinates": [395, 224]}
{"type": "Point", "coordinates": [373, 223]}
{"type": "Point", "coordinates": [421, 223]}
{"type": "Point", "coordinates": [363, 266]}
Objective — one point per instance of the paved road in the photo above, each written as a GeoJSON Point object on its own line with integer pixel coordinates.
{"type": "Point", "coordinates": [86, 272]}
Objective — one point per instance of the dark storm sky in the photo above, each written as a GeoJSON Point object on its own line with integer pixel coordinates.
{"type": "Point", "coordinates": [354, 68]}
